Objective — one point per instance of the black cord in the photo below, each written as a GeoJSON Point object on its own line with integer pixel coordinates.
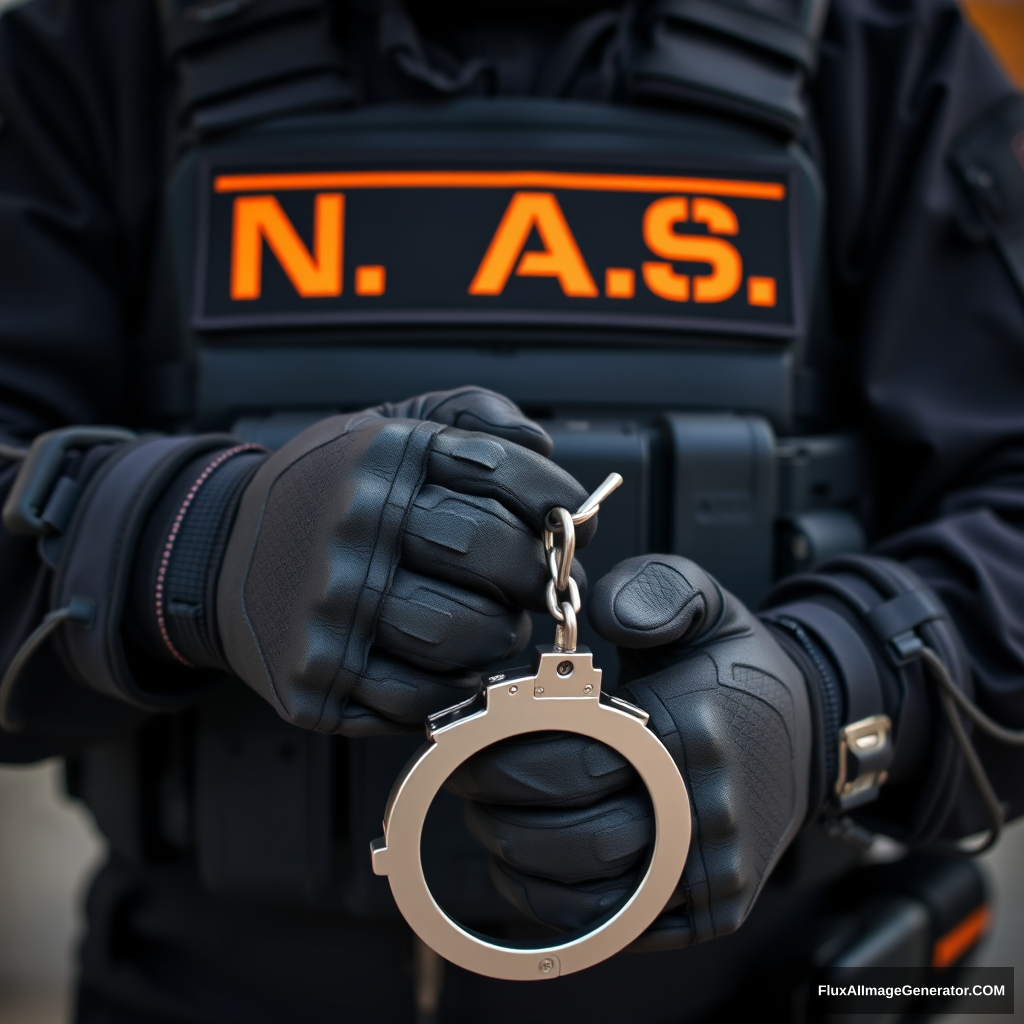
{"type": "Point", "coordinates": [1012, 737]}
{"type": "Point", "coordinates": [8, 451]}
{"type": "Point", "coordinates": [951, 699]}
{"type": "Point", "coordinates": [9, 721]}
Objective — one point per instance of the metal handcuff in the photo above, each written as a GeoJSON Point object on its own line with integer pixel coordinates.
{"type": "Point", "coordinates": [561, 691]}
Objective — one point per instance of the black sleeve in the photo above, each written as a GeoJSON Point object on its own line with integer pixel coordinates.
{"type": "Point", "coordinates": [81, 125]}
{"type": "Point", "coordinates": [932, 325]}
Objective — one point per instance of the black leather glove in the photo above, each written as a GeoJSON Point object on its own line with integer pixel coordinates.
{"type": "Point", "coordinates": [374, 564]}
{"type": "Point", "coordinates": [566, 818]}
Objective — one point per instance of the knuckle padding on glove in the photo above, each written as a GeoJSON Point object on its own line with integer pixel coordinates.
{"type": "Point", "coordinates": [526, 483]}
{"type": "Point", "coordinates": [398, 690]}
{"type": "Point", "coordinates": [739, 769]}
{"type": "Point", "coordinates": [474, 408]}
{"type": "Point", "coordinates": [440, 627]}
{"type": "Point", "coordinates": [565, 907]}
{"type": "Point", "coordinates": [475, 542]}
{"type": "Point", "coordinates": [318, 555]}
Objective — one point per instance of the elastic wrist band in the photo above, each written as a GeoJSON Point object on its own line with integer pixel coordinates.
{"type": "Point", "coordinates": [162, 595]}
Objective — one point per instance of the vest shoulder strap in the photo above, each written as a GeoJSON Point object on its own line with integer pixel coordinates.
{"type": "Point", "coordinates": [730, 55]}
{"type": "Point", "coordinates": [238, 61]}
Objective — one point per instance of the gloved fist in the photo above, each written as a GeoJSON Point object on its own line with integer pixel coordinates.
{"type": "Point", "coordinates": [566, 818]}
{"type": "Point", "coordinates": [377, 564]}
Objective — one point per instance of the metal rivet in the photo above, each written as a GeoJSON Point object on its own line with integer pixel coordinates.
{"type": "Point", "coordinates": [547, 965]}
{"type": "Point", "coordinates": [513, 689]}
{"type": "Point", "coordinates": [564, 668]}
{"type": "Point", "coordinates": [589, 688]}
{"type": "Point", "coordinates": [538, 690]}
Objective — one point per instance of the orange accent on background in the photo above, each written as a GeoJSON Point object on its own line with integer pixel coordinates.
{"type": "Point", "coordinates": [371, 279]}
{"type": "Point", "coordinates": [1001, 24]}
{"type": "Point", "coordinates": [761, 291]}
{"type": "Point", "coordinates": [497, 179]}
{"type": "Point", "coordinates": [561, 257]}
{"type": "Point", "coordinates": [959, 939]}
{"type": "Point", "coordinates": [259, 219]}
{"type": "Point", "coordinates": [619, 283]}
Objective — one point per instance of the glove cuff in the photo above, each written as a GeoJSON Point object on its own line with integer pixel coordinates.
{"type": "Point", "coordinates": [175, 577]}
{"type": "Point", "coordinates": [869, 618]}
{"type": "Point", "coordinates": [95, 569]}
{"type": "Point", "coordinates": [824, 690]}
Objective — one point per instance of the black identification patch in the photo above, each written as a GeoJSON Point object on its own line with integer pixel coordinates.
{"type": "Point", "coordinates": [664, 248]}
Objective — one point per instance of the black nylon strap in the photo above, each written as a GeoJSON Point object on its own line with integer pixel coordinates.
{"type": "Point", "coordinates": [789, 40]}
{"type": "Point", "coordinates": [188, 596]}
{"type": "Point", "coordinates": [715, 72]}
{"type": "Point", "coordinates": [728, 56]}
{"type": "Point", "coordinates": [903, 613]}
{"type": "Point", "coordinates": [863, 687]}
{"type": "Point", "coordinates": [238, 61]}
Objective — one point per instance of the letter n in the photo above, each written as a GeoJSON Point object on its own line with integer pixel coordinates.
{"type": "Point", "coordinates": [260, 219]}
{"type": "Point", "coordinates": [561, 257]}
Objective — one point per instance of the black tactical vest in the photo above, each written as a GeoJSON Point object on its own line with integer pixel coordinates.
{"type": "Point", "coordinates": [614, 221]}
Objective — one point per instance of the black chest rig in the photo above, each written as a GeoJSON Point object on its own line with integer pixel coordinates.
{"type": "Point", "coordinates": [640, 274]}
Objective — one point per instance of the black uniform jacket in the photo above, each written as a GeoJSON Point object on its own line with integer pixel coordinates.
{"type": "Point", "coordinates": [927, 325]}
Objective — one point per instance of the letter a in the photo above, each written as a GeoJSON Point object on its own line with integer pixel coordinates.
{"type": "Point", "coordinates": [259, 218]}
{"type": "Point", "coordinates": [561, 257]}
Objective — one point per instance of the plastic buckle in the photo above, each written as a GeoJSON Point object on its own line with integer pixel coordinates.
{"type": "Point", "coordinates": [904, 648]}
{"type": "Point", "coordinates": [39, 478]}
{"type": "Point", "coordinates": [865, 753]}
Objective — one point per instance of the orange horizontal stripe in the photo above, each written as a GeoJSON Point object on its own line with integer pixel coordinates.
{"type": "Point", "coordinates": [498, 179]}
{"type": "Point", "coordinates": [960, 938]}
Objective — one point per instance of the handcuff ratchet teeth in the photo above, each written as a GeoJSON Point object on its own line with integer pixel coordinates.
{"type": "Point", "coordinates": [561, 692]}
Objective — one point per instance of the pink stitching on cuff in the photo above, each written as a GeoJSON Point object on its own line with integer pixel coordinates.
{"type": "Point", "coordinates": [165, 560]}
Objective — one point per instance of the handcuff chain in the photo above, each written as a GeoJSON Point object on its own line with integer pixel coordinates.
{"type": "Point", "coordinates": [559, 551]}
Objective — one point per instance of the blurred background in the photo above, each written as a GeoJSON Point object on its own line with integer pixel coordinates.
{"type": "Point", "coordinates": [49, 846]}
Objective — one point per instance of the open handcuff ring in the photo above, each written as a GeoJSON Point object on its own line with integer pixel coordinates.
{"type": "Point", "coordinates": [560, 692]}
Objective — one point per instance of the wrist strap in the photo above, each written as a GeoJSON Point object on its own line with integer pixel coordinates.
{"type": "Point", "coordinates": [185, 592]}
{"type": "Point", "coordinates": [864, 739]}
{"type": "Point", "coordinates": [96, 562]}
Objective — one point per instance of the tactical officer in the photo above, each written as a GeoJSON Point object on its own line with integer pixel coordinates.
{"type": "Point", "coordinates": [240, 229]}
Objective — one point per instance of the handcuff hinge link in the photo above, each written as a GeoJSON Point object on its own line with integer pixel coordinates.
{"type": "Point", "coordinates": [559, 551]}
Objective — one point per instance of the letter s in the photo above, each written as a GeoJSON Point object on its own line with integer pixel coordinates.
{"type": "Point", "coordinates": [726, 264]}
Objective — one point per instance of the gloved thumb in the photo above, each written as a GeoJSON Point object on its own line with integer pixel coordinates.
{"type": "Point", "coordinates": [473, 408]}
{"type": "Point", "coordinates": [652, 600]}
